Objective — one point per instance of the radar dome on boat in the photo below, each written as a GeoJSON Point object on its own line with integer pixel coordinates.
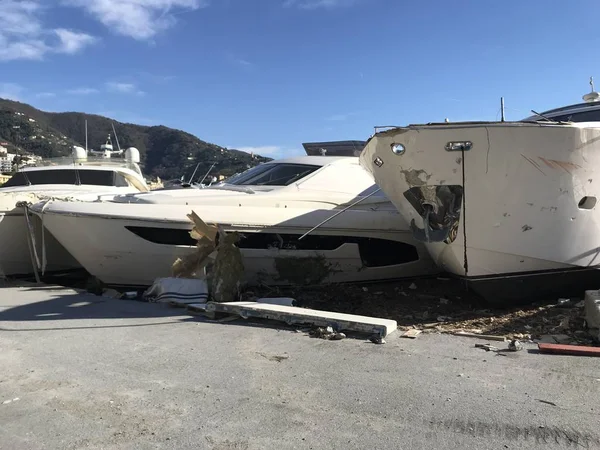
{"type": "Point", "coordinates": [79, 152]}
{"type": "Point", "coordinates": [593, 96]}
{"type": "Point", "coordinates": [132, 155]}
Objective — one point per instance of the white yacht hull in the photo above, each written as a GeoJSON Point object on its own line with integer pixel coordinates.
{"type": "Point", "coordinates": [524, 212]}
{"type": "Point", "coordinates": [133, 244]}
{"type": "Point", "coordinates": [15, 256]}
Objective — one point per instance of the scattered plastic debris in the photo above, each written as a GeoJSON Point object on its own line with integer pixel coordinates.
{"type": "Point", "coordinates": [337, 337]}
{"type": "Point", "coordinates": [515, 345]}
{"type": "Point", "coordinates": [327, 333]}
{"type": "Point", "coordinates": [411, 334]}
{"type": "Point", "coordinates": [487, 347]}
{"type": "Point", "coordinates": [376, 339]}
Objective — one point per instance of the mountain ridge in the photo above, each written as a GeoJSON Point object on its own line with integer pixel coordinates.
{"type": "Point", "coordinates": [165, 152]}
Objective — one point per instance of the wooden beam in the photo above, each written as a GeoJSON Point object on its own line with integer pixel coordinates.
{"type": "Point", "coordinates": [575, 350]}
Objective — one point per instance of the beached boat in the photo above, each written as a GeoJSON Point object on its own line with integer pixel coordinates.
{"type": "Point", "coordinates": [133, 239]}
{"type": "Point", "coordinates": [509, 206]}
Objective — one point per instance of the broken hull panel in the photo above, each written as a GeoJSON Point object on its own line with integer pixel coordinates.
{"type": "Point", "coordinates": [500, 198]}
{"type": "Point", "coordinates": [132, 245]}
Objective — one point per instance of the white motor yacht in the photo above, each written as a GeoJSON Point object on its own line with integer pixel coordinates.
{"type": "Point", "coordinates": [80, 177]}
{"type": "Point", "coordinates": [509, 206]}
{"type": "Point", "coordinates": [133, 239]}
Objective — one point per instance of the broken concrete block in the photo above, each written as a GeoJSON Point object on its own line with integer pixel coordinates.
{"type": "Point", "coordinates": [283, 301]}
{"type": "Point", "coordinates": [294, 315]}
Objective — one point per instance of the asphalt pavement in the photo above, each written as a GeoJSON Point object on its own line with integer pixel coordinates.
{"type": "Point", "coordinates": [78, 371]}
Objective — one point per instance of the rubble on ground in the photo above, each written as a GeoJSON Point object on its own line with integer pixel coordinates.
{"type": "Point", "coordinates": [442, 305]}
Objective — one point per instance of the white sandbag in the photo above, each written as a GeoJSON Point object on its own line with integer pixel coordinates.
{"type": "Point", "coordinates": [180, 290]}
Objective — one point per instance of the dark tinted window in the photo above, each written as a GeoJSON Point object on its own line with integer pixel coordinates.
{"type": "Point", "coordinates": [102, 178]}
{"type": "Point", "coordinates": [273, 175]}
{"type": "Point", "coordinates": [583, 116]}
{"type": "Point", "coordinates": [67, 176]}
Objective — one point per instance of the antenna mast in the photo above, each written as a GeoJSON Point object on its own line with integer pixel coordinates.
{"type": "Point", "coordinates": [204, 177]}
{"type": "Point", "coordinates": [502, 109]}
{"type": "Point", "coordinates": [86, 137]}
{"type": "Point", "coordinates": [116, 138]}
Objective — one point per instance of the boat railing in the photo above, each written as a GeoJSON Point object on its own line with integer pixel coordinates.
{"type": "Point", "coordinates": [87, 162]}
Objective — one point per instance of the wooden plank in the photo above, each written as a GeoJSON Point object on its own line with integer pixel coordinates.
{"type": "Point", "coordinates": [563, 349]}
{"type": "Point", "coordinates": [486, 337]}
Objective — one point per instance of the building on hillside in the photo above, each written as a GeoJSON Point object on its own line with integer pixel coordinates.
{"type": "Point", "coordinates": [6, 161]}
{"type": "Point", "coordinates": [4, 178]}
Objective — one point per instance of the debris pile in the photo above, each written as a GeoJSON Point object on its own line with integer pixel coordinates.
{"type": "Point", "coordinates": [442, 305]}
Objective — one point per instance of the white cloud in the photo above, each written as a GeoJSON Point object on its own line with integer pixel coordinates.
{"type": "Point", "coordinates": [45, 95]}
{"type": "Point", "coordinates": [124, 88]}
{"type": "Point", "coordinates": [10, 91]}
{"type": "Point", "coordinates": [82, 91]}
{"type": "Point", "coordinates": [23, 36]}
{"type": "Point", "coordinates": [72, 41]}
{"type": "Point", "coordinates": [316, 4]}
{"type": "Point", "coordinates": [139, 19]}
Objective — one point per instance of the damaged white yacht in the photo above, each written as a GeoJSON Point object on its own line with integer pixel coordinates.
{"type": "Point", "coordinates": [509, 206]}
{"type": "Point", "coordinates": [79, 177]}
{"type": "Point", "coordinates": [133, 239]}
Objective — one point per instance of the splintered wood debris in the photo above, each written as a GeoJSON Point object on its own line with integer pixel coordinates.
{"type": "Point", "coordinates": [213, 244]}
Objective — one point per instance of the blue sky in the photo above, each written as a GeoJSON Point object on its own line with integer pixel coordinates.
{"type": "Point", "coordinates": [270, 74]}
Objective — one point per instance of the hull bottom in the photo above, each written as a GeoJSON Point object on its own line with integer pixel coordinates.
{"type": "Point", "coordinates": [15, 257]}
{"type": "Point", "coordinates": [530, 287]}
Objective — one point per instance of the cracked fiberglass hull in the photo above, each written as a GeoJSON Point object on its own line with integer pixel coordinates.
{"type": "Point", "coordinates": [511, 206]}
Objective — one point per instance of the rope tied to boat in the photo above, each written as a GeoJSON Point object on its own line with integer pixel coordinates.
{"type": "Point", "coordinates": [44, 258]}
{"type": "Point", "coordinates": [35, 261]}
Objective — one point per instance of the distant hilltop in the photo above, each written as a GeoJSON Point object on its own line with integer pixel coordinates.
{"type": "Point", "coordinates": [165, 152]}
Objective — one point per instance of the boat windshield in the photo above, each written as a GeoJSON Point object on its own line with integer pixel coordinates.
{"type": "Point", "coordinates": [274, 174]}
{"type": "Point", "coordinates": [583, 112]}
{"type": "Point", "coordinates": [67, 176]}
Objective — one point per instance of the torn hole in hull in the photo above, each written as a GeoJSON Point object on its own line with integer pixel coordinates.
{"type": "Point", "coordinates": [440, 208]}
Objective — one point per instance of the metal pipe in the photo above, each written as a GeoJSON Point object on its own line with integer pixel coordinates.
{"type": "Point", "coordinates": [338, 213]}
